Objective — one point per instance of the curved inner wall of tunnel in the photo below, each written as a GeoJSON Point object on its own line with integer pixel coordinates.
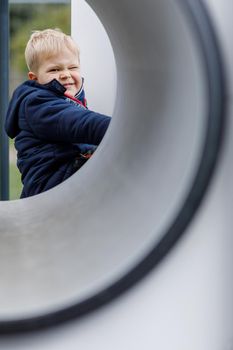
{"type": "Point", "coordinates": [51, 255]}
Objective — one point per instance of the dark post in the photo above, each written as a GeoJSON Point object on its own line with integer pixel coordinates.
{"type": "Point", "coordinates": [4, 95]}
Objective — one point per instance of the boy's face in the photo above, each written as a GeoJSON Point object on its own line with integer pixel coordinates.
{"type": "Point", "coordinates": [64, 67]}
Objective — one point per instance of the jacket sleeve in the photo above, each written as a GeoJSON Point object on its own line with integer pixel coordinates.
{"type": "Point", "coordinates": [54, 119]}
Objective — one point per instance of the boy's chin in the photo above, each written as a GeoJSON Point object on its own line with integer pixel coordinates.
{"type": "Point", "coordinates": [71, 92]}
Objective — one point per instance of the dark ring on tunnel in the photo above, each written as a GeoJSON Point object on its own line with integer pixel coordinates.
{"type": "Point", "coordinates": [215, 77]}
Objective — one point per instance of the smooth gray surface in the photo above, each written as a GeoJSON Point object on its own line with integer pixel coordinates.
{"type": "Point", "coordinates": [187, 302]}
{"type": "Point", "coordinates": [64, 245]}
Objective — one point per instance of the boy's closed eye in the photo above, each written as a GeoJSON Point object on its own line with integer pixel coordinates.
{"type": "Point", "coordinates": [53, 70]}
{"type": "Point", "coordinates": [74, 67]}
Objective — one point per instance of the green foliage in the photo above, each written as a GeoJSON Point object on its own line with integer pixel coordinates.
{"type": "Point", "coordinates": [34, 17]}
{"type": "Point", "coordinates": [19, 15]}
{"type": "Point", "coordinates": [15, 182]}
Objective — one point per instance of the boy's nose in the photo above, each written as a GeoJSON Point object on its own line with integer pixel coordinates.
{"type": "Point", "coordinates": [65, 75]}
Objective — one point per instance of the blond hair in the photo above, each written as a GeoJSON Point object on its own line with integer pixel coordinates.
{"type": "Point", "coordinates": [47, 43]}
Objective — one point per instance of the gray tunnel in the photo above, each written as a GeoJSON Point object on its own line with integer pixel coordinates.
{"type": "Point", "coordinates": [90, 237]}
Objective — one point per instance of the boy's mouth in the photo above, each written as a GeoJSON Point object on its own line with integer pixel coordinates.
{"type": "Point", "coordinates": [68, 84]}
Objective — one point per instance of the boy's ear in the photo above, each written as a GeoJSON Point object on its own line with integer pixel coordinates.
{"type": "Point", "coordinates": [32, 76]}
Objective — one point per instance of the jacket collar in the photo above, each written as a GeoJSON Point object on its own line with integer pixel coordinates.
{"type": "Point", "coordinates": [55, 86]}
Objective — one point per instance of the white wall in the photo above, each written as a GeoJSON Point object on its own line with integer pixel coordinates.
{"type": "Point", "coordinates": [97, 58]}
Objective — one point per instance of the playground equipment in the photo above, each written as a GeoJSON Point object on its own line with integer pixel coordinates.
{"type": "Point", "coordinates": [81, 245]}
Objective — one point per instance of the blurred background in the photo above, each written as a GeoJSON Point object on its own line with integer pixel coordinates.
{"type": "Point", "coordinates": [26, 16]}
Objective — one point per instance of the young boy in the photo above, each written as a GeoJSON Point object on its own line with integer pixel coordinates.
{"type": "Point", "coordinates": [54, 131]}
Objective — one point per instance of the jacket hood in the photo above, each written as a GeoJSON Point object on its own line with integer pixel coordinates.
{"type": "Point", "coordinates": [11, 122]}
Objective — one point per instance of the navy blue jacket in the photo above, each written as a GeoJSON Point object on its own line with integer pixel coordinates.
{"type": "Point", "coordinates": [50, 132]}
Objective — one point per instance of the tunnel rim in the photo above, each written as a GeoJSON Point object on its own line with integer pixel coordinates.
{"type": "Point", "coordinates": [213, 61]}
